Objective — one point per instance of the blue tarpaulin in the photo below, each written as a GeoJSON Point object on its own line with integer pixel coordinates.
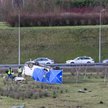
{"type": "Point", "coordinates": [51, 76]}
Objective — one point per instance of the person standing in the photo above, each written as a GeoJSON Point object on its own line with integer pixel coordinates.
{"type": "Point", "coordinates": [9, 73]}
{"type": "Point", "coordinates": [19, 71]}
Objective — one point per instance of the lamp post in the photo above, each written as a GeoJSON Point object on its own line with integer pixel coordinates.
{"type": "Point", "coordinates": [19, 35]}
{"type": "Point", "coordinates": [100, 35]}
{"type": "Point", "coordinates": [18, 4]}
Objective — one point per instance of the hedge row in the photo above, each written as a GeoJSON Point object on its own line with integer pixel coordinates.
{"type": "Point", "coordinates": [81, 3]}
{"type": "Point", "coordinates": [62, 19]}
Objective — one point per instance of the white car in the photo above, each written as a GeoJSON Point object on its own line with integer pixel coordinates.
{"type": "Point", "coordinates": [29, 68]}
{"type": "Point", "coordinates": [81, 60]}
{"type": "Point", "coordinates": [105, 61]}
{"type": "Point", "coordinates": [44, 60]}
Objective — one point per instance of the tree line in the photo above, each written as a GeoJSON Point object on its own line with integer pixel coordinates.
{"type": "Point", "coordinates": [53, 12]}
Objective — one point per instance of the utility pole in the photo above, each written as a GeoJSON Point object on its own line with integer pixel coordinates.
{"type": "Point", "coordinates": [18, 4]}
{"type": "Point", "coordinates": [100, 35]}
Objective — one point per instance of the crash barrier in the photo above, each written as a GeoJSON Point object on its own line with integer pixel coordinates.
{"type": "Point", "coordinates": [62, 65]}
{"type": "Point", "coordinates": [6, 66]}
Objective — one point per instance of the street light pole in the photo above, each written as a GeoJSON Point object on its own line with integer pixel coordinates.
{"type": "Point", "coordinates": [100, 35]}
{"type": "Point", "coordinates": [19, 35]}
{"type": "Point", "coordinates": [18, 4]}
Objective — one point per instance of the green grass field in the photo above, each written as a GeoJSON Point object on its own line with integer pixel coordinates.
{"type": "Point", "coordinates": [97, 91]}
{"type": "Point", "coordinates": [58, 43]}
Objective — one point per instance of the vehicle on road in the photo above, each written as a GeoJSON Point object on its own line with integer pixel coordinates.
{"type": "Point", "coordinates": [105, 61]}
{"type": "Point", "coordinates": [81, 60]}
{"type": "Point", "coordinates": [44, 60]}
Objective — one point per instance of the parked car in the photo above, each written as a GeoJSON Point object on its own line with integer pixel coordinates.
{"type": "Point", "coordinates": [105, 61]}
{"type": "Point", "coordinates": [81, 59]}
{"type": "Point", "coordinates": [44, 60]}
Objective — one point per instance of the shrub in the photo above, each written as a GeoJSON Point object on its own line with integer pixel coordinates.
{"type": "Point", "coordinates": [54, 95]}
{"type": "Point", "coordinates": [35, 95]}
{"type": "Point", "coordinates": [42, 107]}
{"type": "Point", "coordinates": [46, 94]}
{"type": "Point", "coordinates": [66, 90]}
{"type": "Point", "coordinates": [61, 91]}
{"type": "Point", "coordinates": [60, 19]}
{"type": "Point", "coordinates": [30, 90]}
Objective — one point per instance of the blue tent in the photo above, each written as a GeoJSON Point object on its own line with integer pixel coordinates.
{"type": "Point", "coordinates": [51, 76]}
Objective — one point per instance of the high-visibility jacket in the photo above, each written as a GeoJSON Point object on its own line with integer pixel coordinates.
{"type": "Point", "coordinates": [9, 72]}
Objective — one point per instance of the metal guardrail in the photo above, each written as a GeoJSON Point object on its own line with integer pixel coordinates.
{"type": "Point", "coordinates": [10, 65]}
{"type": "Point", "coordinates": [61, 65]}
{"type": "Point", "coordinates": [6, 66]}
